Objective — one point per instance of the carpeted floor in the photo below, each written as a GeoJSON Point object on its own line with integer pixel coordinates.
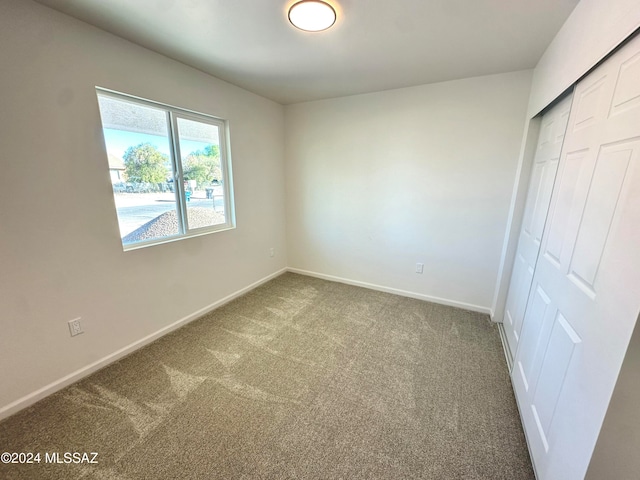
{"type": "Point", "coordinates": [299, 379]}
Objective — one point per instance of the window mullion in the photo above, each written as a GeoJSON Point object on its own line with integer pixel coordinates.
{"type": "Point", "coordinates": [183, 221]}
{"type": "Point", "coordinates": [225, 166]}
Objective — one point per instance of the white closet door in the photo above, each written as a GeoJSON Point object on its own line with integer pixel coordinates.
{"type": "Point", "coordinates": [543, 174]}
{"type": "Point", "coordinates": [585, 296]}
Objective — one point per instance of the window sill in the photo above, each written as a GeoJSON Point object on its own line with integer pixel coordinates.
{"type": "Point", "coordinates": [175, 238]}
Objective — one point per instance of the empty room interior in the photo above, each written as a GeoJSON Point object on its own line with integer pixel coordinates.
{"type": "Point", "coordinates": [320, 239]}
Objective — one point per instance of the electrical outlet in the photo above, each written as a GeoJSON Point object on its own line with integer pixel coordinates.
{"type": "Point", "coordinates": [419, 267]}
{"type": "Point", "coordinates": [74, 327]}
{"type": "Point", "coordinates": [272, 252]}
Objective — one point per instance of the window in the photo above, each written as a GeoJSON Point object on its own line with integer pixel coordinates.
{"type": "Point", "coordinates": [169, 168]}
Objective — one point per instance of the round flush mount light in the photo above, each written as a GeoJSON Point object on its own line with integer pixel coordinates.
{"type": "Point", "coordinates": [312, 15]}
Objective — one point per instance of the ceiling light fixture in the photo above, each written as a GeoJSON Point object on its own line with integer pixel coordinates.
{"type": "Point", "coordinates": [312, 15]}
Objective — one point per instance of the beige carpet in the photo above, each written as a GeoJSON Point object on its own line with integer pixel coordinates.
{"type": "Point", "coordinates": [301, 378]}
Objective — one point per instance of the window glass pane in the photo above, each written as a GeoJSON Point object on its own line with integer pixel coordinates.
{"type": "Point", "coordinates": [138, 147]}
{"type": "Point", "coordinates": [202, 171]}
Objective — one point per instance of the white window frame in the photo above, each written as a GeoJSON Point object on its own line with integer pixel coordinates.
{"type": "Point", "coordinates": [173, 114]}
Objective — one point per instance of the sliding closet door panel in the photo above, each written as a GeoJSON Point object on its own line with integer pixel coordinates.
{"type": "Point", "coordinates": [543, 173]}
{"type": "Point", "coordinates": [572, 347]}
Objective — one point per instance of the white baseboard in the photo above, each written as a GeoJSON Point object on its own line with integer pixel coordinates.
{"type": "Point", "coordinates": [403, 293]}
{"type": "Point", "coordinates": [73, 377]}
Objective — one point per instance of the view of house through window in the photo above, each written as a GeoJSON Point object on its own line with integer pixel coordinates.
{"type": "Point", "coordinates": [169, 170]}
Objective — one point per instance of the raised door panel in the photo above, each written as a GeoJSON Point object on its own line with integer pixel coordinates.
{"type": "Point", "coordinates": [520, 282]}
{"type": "Point", "coordinates": [591, 103]}
{"type": "Point", "coordinates": [627, 92]}
{"type": "Point", "coordinates": [610, 172]}
{"type": "Point", "coordinates": [546, 186]}
{"type": "Point", "coordinates": [539, 312]}
{"type": "Point", "coordinates": [533, 198]}
{"type": "Point", "coordinates": [558, 354]}
{"type": "Point", "coordinates": [574, 172]}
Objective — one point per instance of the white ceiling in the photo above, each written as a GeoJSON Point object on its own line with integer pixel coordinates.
{"type": "Point", "coordinates": [374, 45]}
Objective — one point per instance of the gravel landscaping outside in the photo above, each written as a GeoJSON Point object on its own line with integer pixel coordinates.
{"type": "Point", "coordinates": [167, 224]}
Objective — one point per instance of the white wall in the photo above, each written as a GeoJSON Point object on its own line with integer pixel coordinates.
{"type": "Point", "coordinates": [378, 182]}
{"type": "Point", "coordinates": [593, 29]}
{"type": "Point", "coordinates": [60, 250]}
